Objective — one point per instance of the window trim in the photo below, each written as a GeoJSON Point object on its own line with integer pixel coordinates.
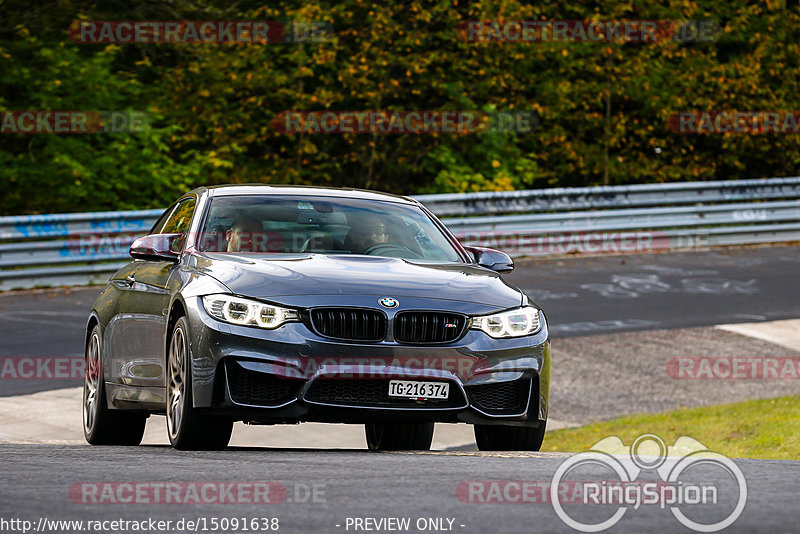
{"type": "Point", "coordinates": [162, 219]}
{"type": "Point", "coordinates": [157, 229]}
{"type": "Point", "coordinates": [175, 208]}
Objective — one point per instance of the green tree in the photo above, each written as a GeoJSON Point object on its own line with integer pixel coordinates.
{"type": "Point", "coordinates": [603, 107]}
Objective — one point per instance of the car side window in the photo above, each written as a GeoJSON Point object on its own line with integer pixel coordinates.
{"type": "Point", "coordinates": [161, 220]}
{"type": "Point", "coordinates": [181, 218]}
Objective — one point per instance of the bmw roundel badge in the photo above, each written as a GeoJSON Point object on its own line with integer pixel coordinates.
{"type": "Point", "coordinates": [388, 302]}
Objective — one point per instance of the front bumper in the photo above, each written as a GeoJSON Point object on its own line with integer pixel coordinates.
{"type": "Point", "coordinates": [291, 374]}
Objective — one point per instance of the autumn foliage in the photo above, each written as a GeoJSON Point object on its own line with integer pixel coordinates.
{"type": "Point", "coordinates": [603, 108]}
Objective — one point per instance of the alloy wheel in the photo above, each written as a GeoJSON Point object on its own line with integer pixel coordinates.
{"type": "Point", "coordinates": [91, 383]}
{"type": "Point", "coordinates": [177, 381]}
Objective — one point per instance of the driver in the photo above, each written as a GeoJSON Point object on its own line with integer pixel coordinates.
{"type": "Point", "coordinates": [246, 234]}
{"type": "Point", "coordinates": [368, 232]}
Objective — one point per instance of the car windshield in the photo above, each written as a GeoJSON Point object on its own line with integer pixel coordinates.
{"type": "Point", "coordinates": [326, 225]}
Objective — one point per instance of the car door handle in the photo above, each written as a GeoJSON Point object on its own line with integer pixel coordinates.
{"type": "Point", "coordinates": [130, 280]}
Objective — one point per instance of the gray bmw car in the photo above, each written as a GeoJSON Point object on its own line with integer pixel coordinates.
{"type": "Point", "coordinates": [281, 304]}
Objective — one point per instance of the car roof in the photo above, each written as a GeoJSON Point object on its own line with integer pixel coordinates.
{"type": "Point", "coordinates": [288, 190]}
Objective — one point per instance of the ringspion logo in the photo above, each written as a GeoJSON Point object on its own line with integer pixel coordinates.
{"type": "Point", "coordinates": [704, 490]}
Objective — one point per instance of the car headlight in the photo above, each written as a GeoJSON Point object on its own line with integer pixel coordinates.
{"type": "Point", "coordinates": [240, 311]}
{"type": "Point", "coordinates": [513, 323]}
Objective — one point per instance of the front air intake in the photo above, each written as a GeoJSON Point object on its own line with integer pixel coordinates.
{"type": "Point", "coordinates": [349, 324]}
{"type": "Point", "coordinates": [428, 327]}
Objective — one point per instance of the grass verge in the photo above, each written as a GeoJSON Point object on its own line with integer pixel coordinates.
{"type": "Point", "coordinates": [768, 428]}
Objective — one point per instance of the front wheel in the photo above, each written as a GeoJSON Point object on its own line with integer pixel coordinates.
{"type": "Point", "coordinates": [188, 428]}
{"type": "Point", "coordinates": [102, 426]}
{"type": "Point", "coordinates": [509, 438]}
{"type": "Point", "coordinates": [399, 436]}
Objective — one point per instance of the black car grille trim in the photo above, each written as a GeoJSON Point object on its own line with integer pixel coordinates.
{"type": "Point", "coordinates": [428, 327]}
{"type": "Point", "coordinates": [501, 398]}
{"type": "Point", "coordinates": [252, 388]}
{"type": "Point", "coordinates": [374, 394]}
{"type": "Point", "coordinates": [349, 324]}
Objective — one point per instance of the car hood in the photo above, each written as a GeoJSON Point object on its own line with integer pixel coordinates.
{"type": "Point", "coordinates": [285, 277]}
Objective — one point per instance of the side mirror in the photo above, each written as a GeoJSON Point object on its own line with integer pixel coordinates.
{"type": "Point", "coordinates": [158, 247]}
{"type": "Point", "coordinates": [492, 259]}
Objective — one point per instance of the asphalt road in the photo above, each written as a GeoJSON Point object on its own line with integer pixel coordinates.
{"type": "Point", "coordinates": [653, 291]}
{"type": "Point", "coordinates": [580, 295]}
{"type": "Point", "coordinates": [325, 488]}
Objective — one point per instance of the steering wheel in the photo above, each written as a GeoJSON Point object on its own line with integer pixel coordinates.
{"type": "Point", "coordinates": [391, 250]}
{"type": "Point", "coordinates": [307, 243]}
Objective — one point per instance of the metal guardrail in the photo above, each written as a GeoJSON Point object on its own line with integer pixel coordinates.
{"type": "Point", "coordinates": [83, 248]}
{"type": "Point", "coordinates": [615, 196]}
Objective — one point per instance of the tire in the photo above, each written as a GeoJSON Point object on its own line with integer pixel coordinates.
{"type": "Point", "coordinates": [188, 428]}
{"type": "Point", "coordinates": [399, 436]}
{"type": "Point", "coordinates": [509, 438]}
{"type": "Point", "coordinates": [102, 426]}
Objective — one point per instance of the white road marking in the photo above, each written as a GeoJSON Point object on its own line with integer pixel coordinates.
{"type": "Point", "coordinates": [784, 333]}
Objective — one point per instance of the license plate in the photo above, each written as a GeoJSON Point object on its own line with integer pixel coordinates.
{"type": "Point", "coordinates": [418, 390]}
